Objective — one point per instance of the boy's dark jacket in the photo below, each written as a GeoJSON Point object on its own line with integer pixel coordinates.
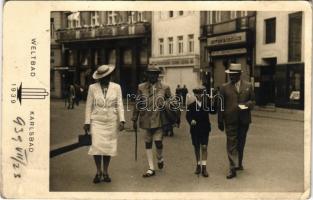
{"type": "Point", "coordinates": [200, 115]}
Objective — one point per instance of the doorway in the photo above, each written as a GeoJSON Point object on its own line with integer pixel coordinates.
{"type": "Point", "coordinates": [267, 80]}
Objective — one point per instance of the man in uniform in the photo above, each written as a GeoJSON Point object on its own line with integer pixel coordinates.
{"type": "Point", "coordinates": [238, 97]}
{"type": "Point", "coordinates": [149, 106]}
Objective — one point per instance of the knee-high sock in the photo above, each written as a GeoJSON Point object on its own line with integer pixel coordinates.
{"type": "Point", "coordinates": [150, 158]}
{"type": "Point", "coordinates": [204, 154]}
{"type": "Point", "coordinates": [197, 154]}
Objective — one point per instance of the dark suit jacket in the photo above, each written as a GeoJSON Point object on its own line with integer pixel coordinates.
{"type": "Point", "coordinates": [201, 116]}
{"type": "Point", "coordinates": [232, 114]}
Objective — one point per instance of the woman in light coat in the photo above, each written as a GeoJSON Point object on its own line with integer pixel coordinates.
{"type": "Point", "coordinates": [104, 119]}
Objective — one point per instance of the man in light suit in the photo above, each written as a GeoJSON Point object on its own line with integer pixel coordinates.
{"type": "Point", "coordinates": [149, 109]}
{"type": "Point", "coordinates": [238, 99]}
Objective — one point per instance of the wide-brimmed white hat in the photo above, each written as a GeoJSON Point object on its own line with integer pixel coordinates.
{"type": "Point", "coordinates": [103, 71]}
{"type": "Point", "coordinates": [234, 68]}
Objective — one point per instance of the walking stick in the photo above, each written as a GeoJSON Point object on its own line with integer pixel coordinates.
{"type": "Point", "coordinates": [135, 144]}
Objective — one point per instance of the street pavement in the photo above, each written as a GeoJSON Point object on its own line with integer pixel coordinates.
{"type": "Point", "coordinates": [273, 160]}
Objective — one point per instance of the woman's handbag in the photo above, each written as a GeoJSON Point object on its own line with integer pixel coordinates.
{"type": "Point", "coordinates": [84, 139]}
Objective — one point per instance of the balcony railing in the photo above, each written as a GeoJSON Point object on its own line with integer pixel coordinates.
{"type": "Point", "coordinates": [237, 24]}
{"type": "Point", "coordinates": [88, 33]}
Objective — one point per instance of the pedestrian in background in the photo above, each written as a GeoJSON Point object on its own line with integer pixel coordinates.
{"type": "Point", "coordinates": [238, 99]}
{"type": "Point", "coordinates": [178, 93]}
{"type": "Point", "coordinates": [71, 97]}
{"type": "Point", "coordinates": [104, 118]}
{"type": "Point", "coordinates": [198, 118]}
{"type": "Point", "coordinates": [168, 130]}
{"type": "Point", "coordinates": [78, 93]}
{"type": "Point", "coordinates": [148, 108]}
{"type": "Point", "coordinates": [184, 92]}
{"type": "Point", "coordinates": [171, 114]}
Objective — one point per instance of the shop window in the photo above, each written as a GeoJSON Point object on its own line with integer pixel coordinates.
{"type": "Point", "coordinates": [161, 46]}
{"type": "Point", "coordinates": [170, 45]}
{"type": "Point", "coordinates": [180, 44]}
{"type": "Point", "coordinates": [84, 57]}
{"type": "Point", "coordinates": [289, 83]}
{"type": "Point", "coordinates": [96, 57]}
{"type": "Point", "coordinates": [270, 30]}
{"type": "Point", "coordinates": [101, 56]}
{"type": "Point", "coordinates": [127, 57]}
{"type": "Point", "coordinates": [191, 43]}
{"type": "Point", "coordinates": [143, 56]}
{"type": "Point", "coordinates": [294, 37]}
{"type": "Point", "coordinates": [71, 58]}
{"type": "Point", "coordinates": [295, 90]}
{"type": "Point", "coordinates": [112, 57]}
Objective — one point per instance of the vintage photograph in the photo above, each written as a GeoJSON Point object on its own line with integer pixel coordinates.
{"type": "Point", "coordinates": [177, 101]}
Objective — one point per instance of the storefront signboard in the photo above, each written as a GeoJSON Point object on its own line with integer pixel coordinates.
{"type": "Point", "coordinates": [229, 52]}
{"type": "Point", "coordinates": [227, 39]}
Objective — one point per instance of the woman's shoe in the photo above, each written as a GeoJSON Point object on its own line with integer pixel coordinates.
{"type": "Point", "coordinates": [106, 178]}
{"type": "Point", "coordinates": [97, 179]}
{"type": "Point", "coordinates": [149, 173]}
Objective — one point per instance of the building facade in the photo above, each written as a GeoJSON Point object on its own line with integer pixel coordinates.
{"type": "Point", "coordinates": [55, 54]}
{"type": "Point", "coordinates": [279, 71]}
{"type": "Point", "coordinates": [91, 38]}
{"type": "Point", "coordinates": [226, 36]}
{"type": "Point", "coordinates": [175, 47]}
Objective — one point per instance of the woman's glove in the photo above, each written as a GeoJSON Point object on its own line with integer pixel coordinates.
{"type": "Point", "coordinates": [193, 122]}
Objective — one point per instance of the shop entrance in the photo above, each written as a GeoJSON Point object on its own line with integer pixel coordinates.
{"type": "Point", "coordinates": [268, 82]}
